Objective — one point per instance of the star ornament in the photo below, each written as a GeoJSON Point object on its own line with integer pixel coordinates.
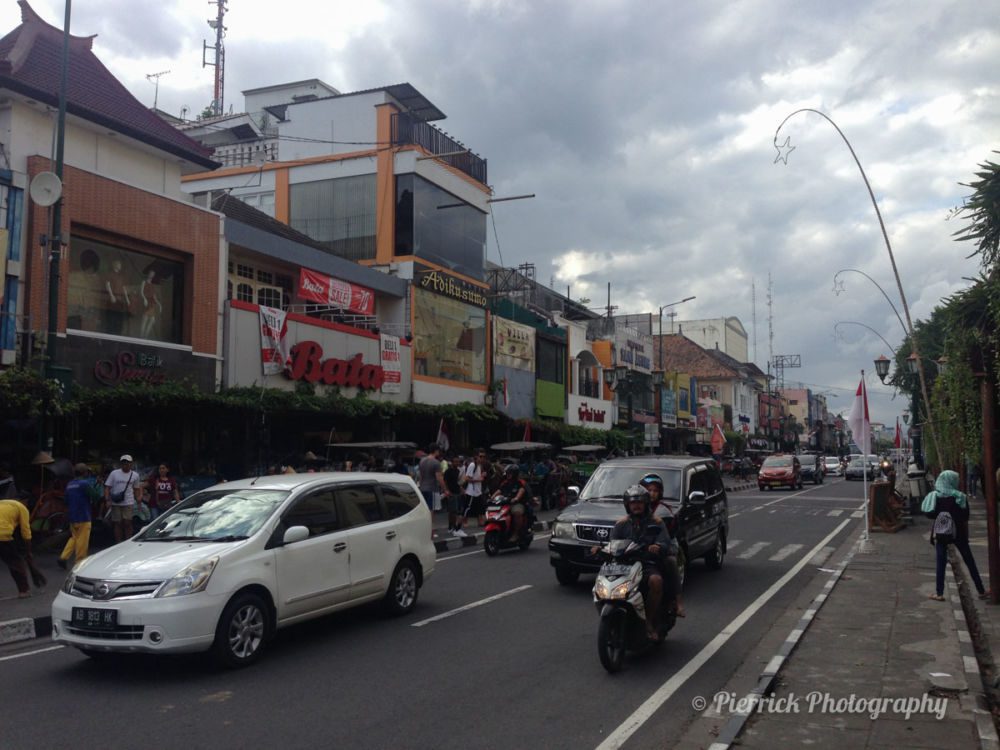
{"type": "Point", "coordinates": [838, 287]}
{"type": "Point", "coordinates": [783, 150]}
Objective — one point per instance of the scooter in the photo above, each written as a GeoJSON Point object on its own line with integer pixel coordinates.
{"type": "Point", "coordinates": [498, 525]}
{"type": "Point", "coordinates": [618, 598]}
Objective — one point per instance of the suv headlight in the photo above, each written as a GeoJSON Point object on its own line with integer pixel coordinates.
{"type": "Point", "coordinates": [563, 530]}
{"type": "Point", "coordinates": [191, 580]}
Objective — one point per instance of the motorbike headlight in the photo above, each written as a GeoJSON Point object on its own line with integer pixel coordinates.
{"type": "Point", "coordinates": [563, 530]}
{"type": "Point", "coordinates": [620, 591]}
{"type": "Point", "coordinates": [601, 590]}
{"type": "Point", "coordinates": [191, 580]}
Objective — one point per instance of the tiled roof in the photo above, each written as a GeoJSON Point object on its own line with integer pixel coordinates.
{"type": "Point", "coordinates": [30, 64]}
{"type": "Point", "coordinates": [237, 210]}
{"type": "Point", "coordinates": [681, 354]}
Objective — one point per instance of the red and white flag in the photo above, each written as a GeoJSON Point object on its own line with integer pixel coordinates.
{"type": "Point", "coordinates": [442, 437]}
{"type": "Point", "coordinates": [899, 435]}
{"type": "Point", "coordinates": [858, 421]}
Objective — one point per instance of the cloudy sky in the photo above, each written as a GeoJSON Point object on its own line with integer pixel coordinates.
{"type": "Point", "coordinates": [646, 130]}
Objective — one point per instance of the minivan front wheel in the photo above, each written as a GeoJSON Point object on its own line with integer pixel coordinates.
{"type": "Point", "coordinates": [241, 632]}
{"type": "Point", "coordinates": [715, 558]}
{"type": "Point", "coordinates": [401, 597]}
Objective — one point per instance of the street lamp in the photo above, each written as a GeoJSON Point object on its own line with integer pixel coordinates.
{"type": "Point", "coordinates": [863, 325]}
{"type": "Point", "coordinates": [888, 246]}
{"type": "Point", "coordinates": [882, 367]}
{"type": "Point", "coordinates": [838, 287]}
{"type": "Point", "coordinates": [906, 416]}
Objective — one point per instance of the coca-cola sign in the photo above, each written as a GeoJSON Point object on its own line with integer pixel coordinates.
{"type": "Point", "coordinates": [308, 364]}
{"type": "Point", "coordinates": [327, 290]}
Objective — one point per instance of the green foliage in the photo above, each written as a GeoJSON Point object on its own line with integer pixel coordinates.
{"type": "Point", "coordinates": [983, 210]}
{"type": "Point", "coordinates": [24, 394]}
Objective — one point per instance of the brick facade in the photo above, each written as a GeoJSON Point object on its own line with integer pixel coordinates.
{"type": "Point", "coordinates": [119, 214]}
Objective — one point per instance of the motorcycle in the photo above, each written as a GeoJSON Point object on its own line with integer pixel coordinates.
{"type": "Point", "coordinates": [498, 525]}
{"type": "Point", "coordinates": [618, 598]}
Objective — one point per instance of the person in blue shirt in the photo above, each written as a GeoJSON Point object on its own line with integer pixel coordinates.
{"type": "Point", "coordinates": [78, 493]}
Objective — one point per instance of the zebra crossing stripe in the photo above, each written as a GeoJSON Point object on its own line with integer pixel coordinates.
{"type": "Point", "coordinates": [858, 514]}
{"type": "Point", "coordinates": [785, 551]}
{"type": "Point", "coordinates": [753, 549]}
{"type": "Point", "coordinates": [834, 513]}
{"type": "Point", "coordinates": [730, 543]}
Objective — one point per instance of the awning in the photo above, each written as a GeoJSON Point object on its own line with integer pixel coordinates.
{"type": "Point", "coordinates": [520, 445]}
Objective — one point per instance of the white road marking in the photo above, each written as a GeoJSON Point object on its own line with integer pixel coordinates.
{"type": "Point", "coordinates": [730, 543]}
{"type": "Point", "coordinates": [834, 513]}
{"type": "Point", "coordinates": [479, 551]}
{"type": "Point", "coordinates": [31, 653]}
{"type": "Point", "coordinates": [858, 514]}
{"type": "Point", "coordinates": [822, 556]}
{"type": "Point", "coordinates": [641, 715]}
{"type": "Point", "coordinates": [785, 551]}
{"type": "Point", "coordinates": [480, 603]}
{"type": "Point", "coordinates": [753, 549]}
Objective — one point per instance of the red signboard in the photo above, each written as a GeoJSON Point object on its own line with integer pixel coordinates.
{"type": "Point", "coordinates": [325, 290]}
{"type": "Point", "coordinates": [308, 364]}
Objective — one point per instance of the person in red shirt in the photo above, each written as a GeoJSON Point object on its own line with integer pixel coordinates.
{"type": "Point", "coordinates": [164, 491]}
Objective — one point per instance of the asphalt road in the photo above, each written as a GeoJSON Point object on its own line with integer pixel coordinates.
{"type": "Point", "coordinates": [519, 670]}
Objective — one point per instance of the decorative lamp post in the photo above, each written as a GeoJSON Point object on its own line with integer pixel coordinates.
{"type": "Point", "coordinates": [906, 416]}
{"type": "Point", "coordinates": [912, 363]}
{"type": "Point", "coordinates": [882, 367]}
{"type": "Point", "coordinates": [942, 365]}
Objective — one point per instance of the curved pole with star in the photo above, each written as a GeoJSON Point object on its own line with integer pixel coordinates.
{"type": "Point", "coordinates": [783, 151]}
{"type": "Point", "coordinates": [838, 287]}
{"type": "Point", "coordinates": [864, 325]}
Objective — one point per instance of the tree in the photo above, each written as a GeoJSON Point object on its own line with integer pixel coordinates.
{"type": "Point", "coordinates": [983, 210]}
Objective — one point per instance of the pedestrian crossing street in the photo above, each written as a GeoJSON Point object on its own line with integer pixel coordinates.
{"type": "Point", "coordinates": [773, 552]}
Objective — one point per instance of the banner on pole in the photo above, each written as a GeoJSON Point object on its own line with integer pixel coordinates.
{"type": "Point", "coordinates": [274, 352]}
{"type": "Point", "coordinates": [391, 366]}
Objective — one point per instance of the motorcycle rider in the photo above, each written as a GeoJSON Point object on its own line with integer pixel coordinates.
{"type": "Point", "coordinates": [642, 527]}
{"type": "Point", "coordinates": [654, 486]}
{"type": "Point", "coordinates": [515, 490]}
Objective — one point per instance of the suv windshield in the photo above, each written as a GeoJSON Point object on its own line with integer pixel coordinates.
{"type": "Point", "coordinates": [610, 482]}
{"type": "Point", "coordinates": [782, 461]}
{"type": "Point", "coordinates": [216, 515]}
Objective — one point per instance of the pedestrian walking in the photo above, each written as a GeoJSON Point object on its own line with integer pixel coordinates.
{"type": "Point", "coordinates": [164, 492]}
{"type": "Point", "coordinates": [16, 553]}
{"type": "Point", "coordinates": [430, 477]}
{"type": "Point", "coordinates": [120, 491]}
{"type": "Point", "coordinates": [974, 479]}
{"type": "Point", "coordinates": [949, 507]}
{"type": "Point", "coordinates": [452, 476]}
{"type": "Point", "coordinates": [474, 475]}
{"type": "Point", "coordinates": [78, 503]}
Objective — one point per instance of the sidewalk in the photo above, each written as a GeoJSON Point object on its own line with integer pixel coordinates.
{"type": "Point", "coordinates": [874, 641]}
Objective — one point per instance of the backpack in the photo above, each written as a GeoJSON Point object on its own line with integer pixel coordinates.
{"type": "Point", "coordinates": [944, 528]}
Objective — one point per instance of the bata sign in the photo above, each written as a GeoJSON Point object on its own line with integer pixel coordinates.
{"type": "Point", "coordinates": [308, 364]}
{"type": "Point", "coordinates": [449, 286]}
{"type": "Point", "coordinates": [326, 290]}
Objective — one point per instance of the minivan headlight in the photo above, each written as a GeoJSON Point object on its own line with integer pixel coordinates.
{"type": "Point", "coordinates": [191, 580]}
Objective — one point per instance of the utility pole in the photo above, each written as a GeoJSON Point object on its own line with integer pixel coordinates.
{"type": "Point", "coordinates": [154, 78]}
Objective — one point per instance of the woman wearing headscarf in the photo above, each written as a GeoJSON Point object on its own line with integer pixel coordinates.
{"type": "Point", "coordinates": [946, 497]}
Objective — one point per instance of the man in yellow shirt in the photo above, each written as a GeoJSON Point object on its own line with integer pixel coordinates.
{"type": "Point", "coordinates": [13, 516]}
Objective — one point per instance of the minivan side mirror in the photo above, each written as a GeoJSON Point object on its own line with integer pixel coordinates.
{"type": "Point", "coordinates": [295, 534]}
{"type": "Point", "coordinates": [696, 498]}
{"type": "Point", "coordinates": [572, 493]}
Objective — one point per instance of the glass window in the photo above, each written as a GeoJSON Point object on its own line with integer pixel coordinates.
{"type": "Point", "coordinates": [338, 213]}
{"type": "Point", "coordinates": [449, 338]}
{"type": "Point", "coordinates": [244, 271]}
{"type": "Point", "coordinates": [123, 292]}
{"type": "Point", "coordinates": [699, 482]}
{"type": "Point", "coordinates": [269, 297]}
{"type": "Point", "coordinates": [317, 511]}
{"type": "Point", "coordinates": [216, 514]}
{"type": "Point", "coordinates": [244, 292]}
{"type": "Point", "coordinates": [399, 499]}
{"type": "Point", "coordinates": [434, 224]}
{"type": "Point", "coordinates": [265, 277]}
{"type": "Point", "coordinates": [610, 482]}
{"type": "Point", "coordinates": [360, 504]}
{"type": "Point", "coordinates": [551, 361]}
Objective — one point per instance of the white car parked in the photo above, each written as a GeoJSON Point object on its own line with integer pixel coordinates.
{"type": "Point", "coordinates": [832, 466]}
{"type": "Point", "coordinates": [229, 565]}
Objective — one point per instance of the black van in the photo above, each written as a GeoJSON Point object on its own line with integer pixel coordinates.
{"type": "Point", "coordinates": [695, 510]}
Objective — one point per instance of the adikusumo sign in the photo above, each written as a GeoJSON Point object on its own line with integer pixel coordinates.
{"type": "Point", "coordinates": [451, 286]}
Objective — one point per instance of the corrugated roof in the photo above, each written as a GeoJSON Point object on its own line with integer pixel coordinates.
{"type": "Point", "coordinates": [30, 64]}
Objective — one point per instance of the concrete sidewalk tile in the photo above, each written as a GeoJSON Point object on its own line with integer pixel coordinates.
{"type": "Point", "coordinates": [948, 733]}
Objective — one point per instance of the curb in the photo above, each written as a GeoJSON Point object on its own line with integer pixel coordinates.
{"type": "Point", "coordinates": [452, 543]}
{"type": "Point", "coordinates": [729, 733]}
{"type": "Point", "coordinates": [25, 629]}
{"type": "Point", "coordinates": [979, 706]}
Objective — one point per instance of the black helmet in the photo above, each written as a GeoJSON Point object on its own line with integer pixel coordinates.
{"type": "Point", "coordinates": [512, 471]}
{"type": "Point", "coordinates": [633, 493]}
{"type": "Point", "coordinates": [652, 479]}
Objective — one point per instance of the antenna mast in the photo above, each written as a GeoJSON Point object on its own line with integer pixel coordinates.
{"type": "Point", "coordinates": [219, 61]}
{"type": "Point", "coordinates": [154, 78]}
{"type": "Point", "coordinates": [753, 316]}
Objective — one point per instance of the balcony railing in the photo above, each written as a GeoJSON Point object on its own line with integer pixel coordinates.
{"type": "Point", "coordinates": [407, 130]}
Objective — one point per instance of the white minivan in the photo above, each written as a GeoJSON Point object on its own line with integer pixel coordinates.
{"type": "Point", "coordinates": [229, 565]}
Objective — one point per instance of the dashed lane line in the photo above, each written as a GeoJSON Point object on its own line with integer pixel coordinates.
{"type": "Point", "coordinates": [473, 605]}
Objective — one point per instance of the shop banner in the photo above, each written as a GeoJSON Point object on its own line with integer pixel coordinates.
{"type": "Point", "coordinates": [513, 344]}
{"type": "Point", "coordinates": [668, 407]}
{"type": "Point", "coordinates": [274, 354]}
{"type": "Point", "coordinates": [633, 349]}
{"type": "Point", "coordinates": [391, 366]}
{"type": "Point", "coordinates": [326, 290]}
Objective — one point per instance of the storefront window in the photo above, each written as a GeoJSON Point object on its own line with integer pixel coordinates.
{"type": "Point", "coordinates": [338, 213]}
{"type": "Point", "coordinates": [123, 292]}
{"type": "Point", "coordinates": [449, 338]}
{"type": "Point", "coordinates": [551, 361]}
{"type": "Point", "coordinates": [437, 226]}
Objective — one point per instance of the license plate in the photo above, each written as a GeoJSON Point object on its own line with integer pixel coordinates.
{"type": "Point", "coordinates": [616, 569]}
{"type": "Point", "coordinates": [95, 619]}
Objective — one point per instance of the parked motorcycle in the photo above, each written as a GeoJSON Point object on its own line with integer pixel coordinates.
{"type": "Point", "coordinates": [498, 526]}
{"type": "Point", "coordinates": [618, 597]}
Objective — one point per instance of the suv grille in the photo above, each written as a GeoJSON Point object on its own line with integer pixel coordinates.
{"type": "Point", "coordinates": [593, 533]}
{"type": "Point", "coordinates": [88, 589]}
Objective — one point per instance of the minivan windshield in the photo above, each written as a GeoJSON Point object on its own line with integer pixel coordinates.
{"type": "Point", "coordinates": [782, 461]}
{"type": "Point", "coordinates": [216, 516]}
{"type": "Point", "coordinates": [610, 482]}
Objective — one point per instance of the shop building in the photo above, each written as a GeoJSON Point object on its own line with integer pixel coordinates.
{"type": "Point", "coordinates": [585, 405]}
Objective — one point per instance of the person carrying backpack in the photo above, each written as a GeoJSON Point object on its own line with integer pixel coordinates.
{"type": "Point", "coordinates": [950, 510]}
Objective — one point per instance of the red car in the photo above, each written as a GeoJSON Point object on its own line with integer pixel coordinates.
{"type": "Point", "coordinates": [780, 471]}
